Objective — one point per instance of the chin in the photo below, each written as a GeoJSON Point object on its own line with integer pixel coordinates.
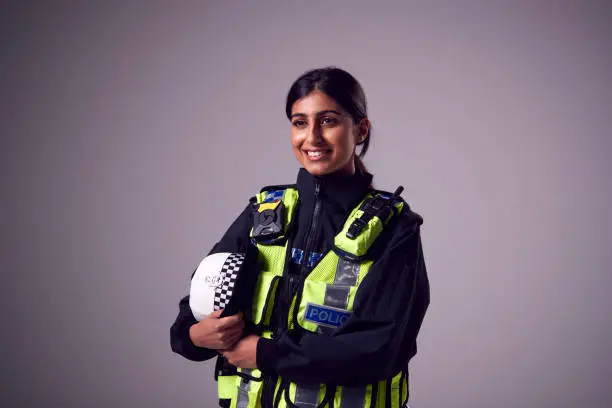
{"type": "Point", "coordinates": [317, 170]}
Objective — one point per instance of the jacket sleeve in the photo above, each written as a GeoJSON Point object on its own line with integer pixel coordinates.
{"type": "Point", "coordinates": [235, 239]}
{"type": "Point", "coordinates": [379, 339]}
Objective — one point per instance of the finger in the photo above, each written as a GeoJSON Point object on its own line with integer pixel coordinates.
{"type": "Point", "coordinates": [230, 337]}
{"type": "Point", "coordinates": [229, 321]}
{"type": "Point", "coordinates": [231, 341]}
{"type": "Point", "coordinates": [230, 331]}
{"type": "Point", "coordinates": [235, 318]}
{"type": "Point", "coordinates": [229, 356]}
{"type": "Point", "coordinates": [215, 314]}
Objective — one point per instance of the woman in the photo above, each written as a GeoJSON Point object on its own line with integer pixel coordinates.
{"type": "Point", "coordinates": [341, 293]}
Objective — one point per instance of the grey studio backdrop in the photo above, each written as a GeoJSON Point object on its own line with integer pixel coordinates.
{"type": "Point", "coordinates": [132, 133]}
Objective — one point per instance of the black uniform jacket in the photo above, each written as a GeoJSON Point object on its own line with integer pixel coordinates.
{"type": "Point", "coordinates": [379, 338]}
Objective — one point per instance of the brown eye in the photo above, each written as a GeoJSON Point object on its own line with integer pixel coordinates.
{"type": "Point", "coordinates": [299, 123]}
{"type": "Point", "coordinates": [327, 120]}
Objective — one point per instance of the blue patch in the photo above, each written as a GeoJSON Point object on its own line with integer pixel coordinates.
{"type": "Point", "coordinates": [314, 258]}
{"type": "Point", "coordinates": [325, 315]}
{"type": "Point", "coordinates": [274, 195]}
{"type": "Point", "coordinates": [297, 255]}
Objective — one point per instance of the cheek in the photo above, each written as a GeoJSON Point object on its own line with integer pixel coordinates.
{"type": "Point", "coordinates": [296, 139]}
{"type": "Point", "coordinates": [296, 143]}
{"type": "Point", "coordinates": [343, 142]}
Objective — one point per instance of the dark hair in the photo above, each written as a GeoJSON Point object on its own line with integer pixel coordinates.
{"type": "Point", "coordinates": [343, 88]}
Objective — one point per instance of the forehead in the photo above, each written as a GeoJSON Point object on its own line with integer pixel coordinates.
{"type": "Point", "coordinates": [313, 103]}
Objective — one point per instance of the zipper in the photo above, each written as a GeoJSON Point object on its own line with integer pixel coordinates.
{"type": "Point", "coordinates": [289, 289]}
{"type": "Point", "coordinates": [310, 237]}
{"type": "Point", "coordinates": [312, 232]}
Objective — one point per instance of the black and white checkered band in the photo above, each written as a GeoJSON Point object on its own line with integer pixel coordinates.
{"type": "Point", "coordinates": [229, 273]}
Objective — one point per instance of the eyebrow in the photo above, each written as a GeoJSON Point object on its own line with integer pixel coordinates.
{"type": "Point", "coordinates": [318, 113]}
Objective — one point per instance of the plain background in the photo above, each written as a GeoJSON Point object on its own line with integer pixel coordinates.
{"type": "Point", "coordinates": [132, 133]}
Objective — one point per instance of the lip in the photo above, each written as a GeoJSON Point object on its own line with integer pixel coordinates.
{"type": "Point", "coordinates": [324, 154]}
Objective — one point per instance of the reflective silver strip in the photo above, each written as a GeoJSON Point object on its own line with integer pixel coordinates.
{"type": "Point", "coordinates": [347, 272]}
{"type": "Point", "coordinates": [337, 294]}
{"type": "Point", "coordinates": [243, 390]}
{"type": "Point", "coordinates": [353, 397]}
{"type": "Point", "coordinates": [306, 396]}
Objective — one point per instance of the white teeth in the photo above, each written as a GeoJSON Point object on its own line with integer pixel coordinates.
{"type": "Point", "coordinates": [316, 154]}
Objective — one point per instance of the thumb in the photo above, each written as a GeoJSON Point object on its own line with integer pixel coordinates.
{"type": "Point", "coordinates": [215, 314]}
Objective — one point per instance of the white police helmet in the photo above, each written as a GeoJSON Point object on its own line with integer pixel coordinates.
{"type": "Point", "coordinates": [214, 282]}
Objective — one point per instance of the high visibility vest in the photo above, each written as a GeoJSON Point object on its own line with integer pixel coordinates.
{"type": "Point", "coordinates": [322, 303]}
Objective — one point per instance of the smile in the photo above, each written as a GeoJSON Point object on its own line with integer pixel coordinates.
{"type": "Point", "coordinates": [317, 154]}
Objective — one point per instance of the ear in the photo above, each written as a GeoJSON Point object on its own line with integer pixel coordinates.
{"type": "Point", "coordinates": [361, 131]}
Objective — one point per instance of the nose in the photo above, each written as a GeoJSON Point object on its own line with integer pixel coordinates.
{"type": "Point", "coordinates": [315, 136]}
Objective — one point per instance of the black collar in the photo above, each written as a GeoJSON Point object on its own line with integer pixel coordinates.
{"type": "Point", "coordinates": [340, 189]}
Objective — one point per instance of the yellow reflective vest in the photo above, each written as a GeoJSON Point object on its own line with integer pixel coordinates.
{"type": "Point", "coordinates": [323, 302]}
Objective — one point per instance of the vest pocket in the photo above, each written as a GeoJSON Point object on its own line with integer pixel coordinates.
{"type": "Point", "coordinates": [324, 307]}
{"type": "Point", "coordinates": [226, 386]}
{"type": "Point", "coordinates": [264, 298]}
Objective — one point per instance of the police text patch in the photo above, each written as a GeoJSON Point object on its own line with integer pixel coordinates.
{"type": "Point", "coordinates": [325, 315]}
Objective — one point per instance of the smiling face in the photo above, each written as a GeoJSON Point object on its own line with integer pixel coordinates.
{"type": "Point", "coordinates": [324, 135]}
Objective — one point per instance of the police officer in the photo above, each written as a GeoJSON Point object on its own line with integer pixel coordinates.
{"type": "Point", "coordinates": [340, 286]}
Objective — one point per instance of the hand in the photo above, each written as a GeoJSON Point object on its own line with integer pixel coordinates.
{"type": "Point", "coordinates": [244, 353]}
{"type": "Point", "coordinates": [214, 332]}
